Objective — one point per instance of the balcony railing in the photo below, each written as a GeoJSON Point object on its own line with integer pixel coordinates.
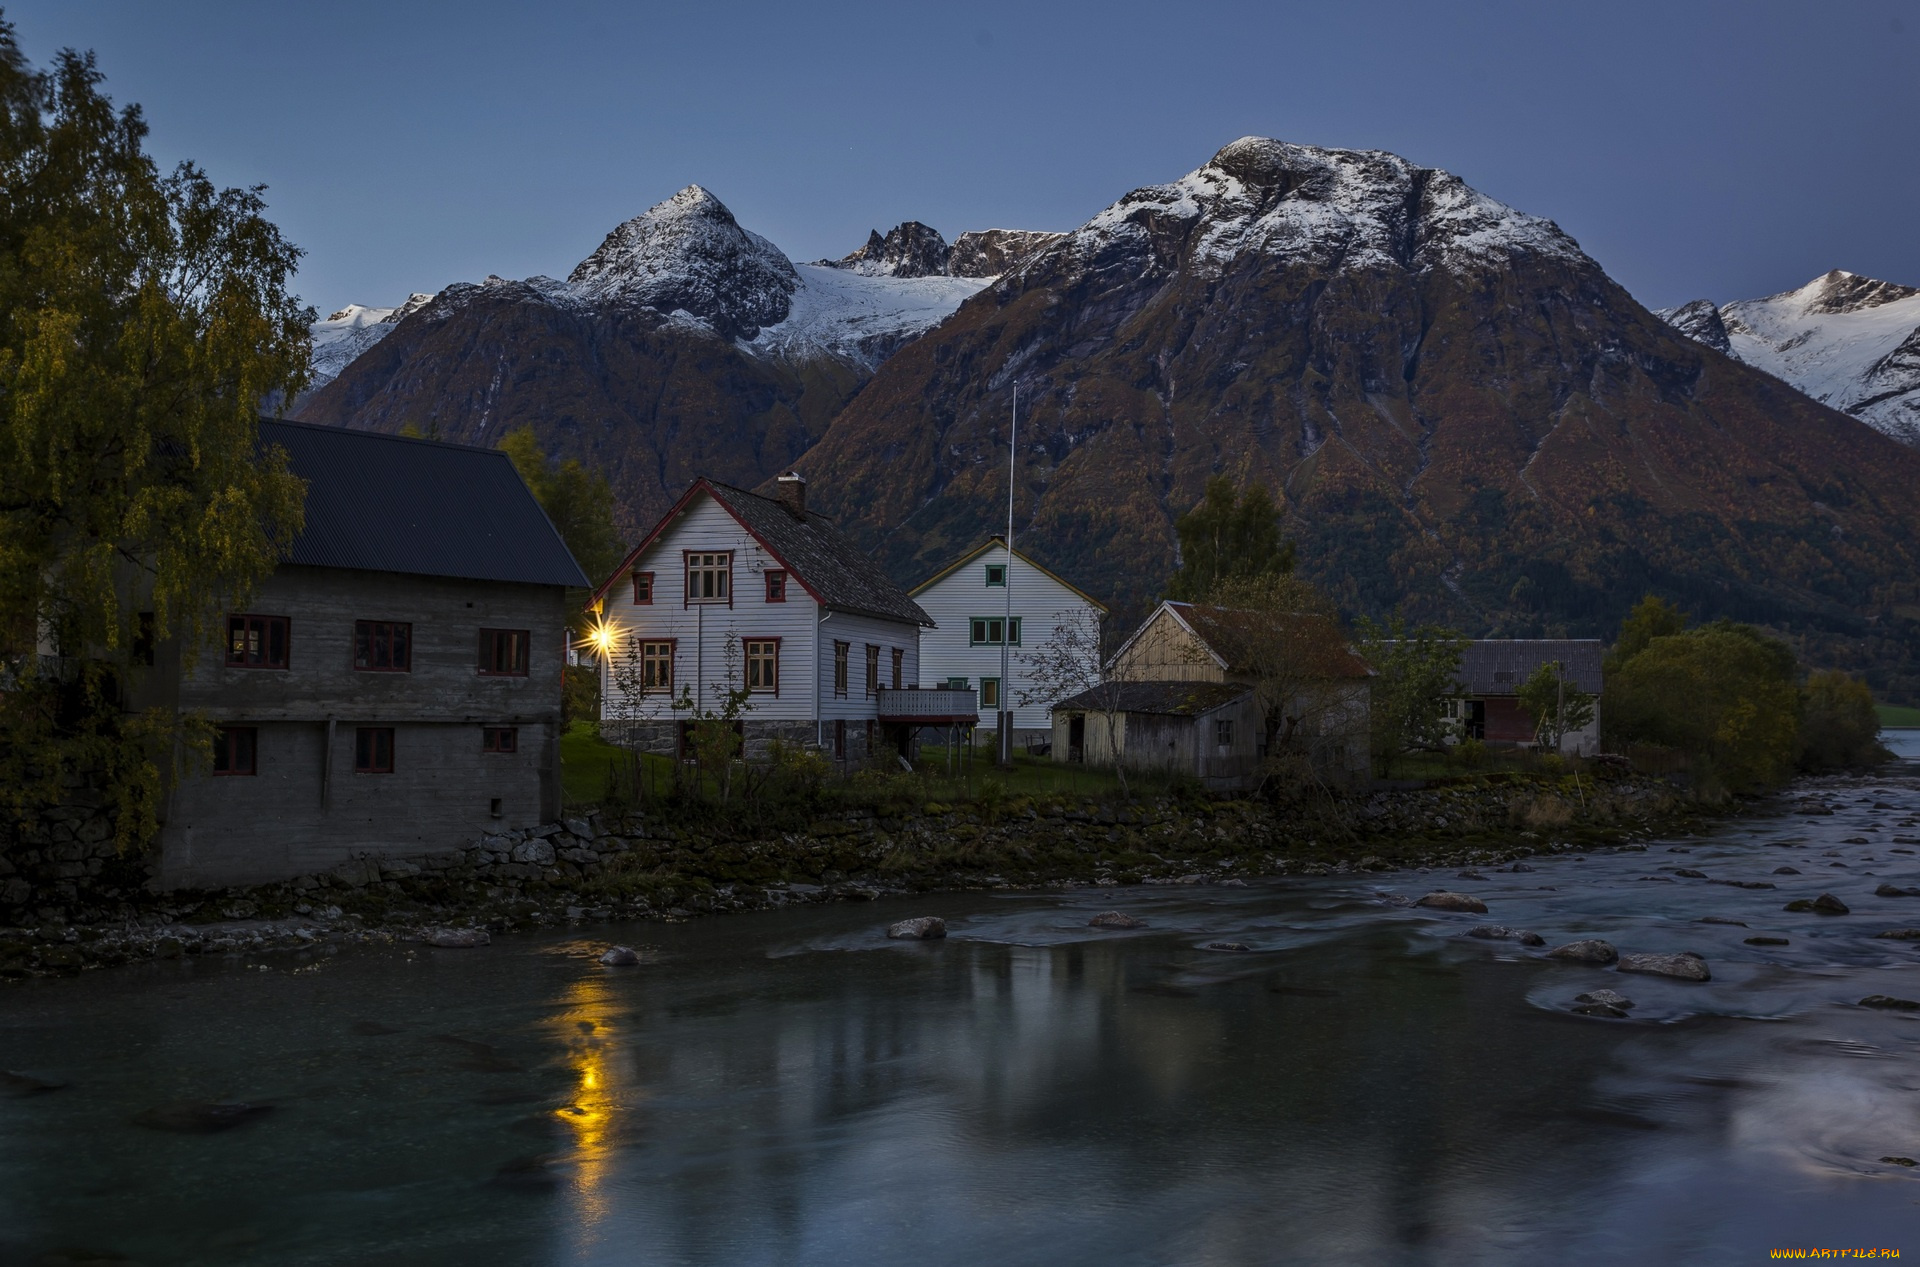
{"type": "Point", "coordinates": [933, 706]}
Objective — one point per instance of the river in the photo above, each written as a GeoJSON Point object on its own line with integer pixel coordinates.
{"type": "Point", "coordinates": [1362, 1085]}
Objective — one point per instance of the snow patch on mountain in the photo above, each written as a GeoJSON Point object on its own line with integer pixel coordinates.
{"type": "Point", "coordinates": [860, 315]}
{"type": "Point", "coordinates": [1848, 341]}
{"type": "Point", "coordinates": [1329, 208]}
{"type": "Point", "coordinates": [354, 329]}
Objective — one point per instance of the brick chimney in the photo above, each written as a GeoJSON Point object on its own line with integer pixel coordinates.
{"type": "Point", "coordinates": [791, 491]}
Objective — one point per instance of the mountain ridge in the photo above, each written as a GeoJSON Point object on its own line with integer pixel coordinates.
{"type": "Point", "coordinates": [1848, 341]}
{"type": "Point", "coordinates": [1465, 416]}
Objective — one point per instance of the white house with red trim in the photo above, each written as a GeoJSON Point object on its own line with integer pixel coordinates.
{"type": "Point", "coordinates": [734, 590]}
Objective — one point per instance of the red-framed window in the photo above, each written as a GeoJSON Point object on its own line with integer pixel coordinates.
{"type": "Point", "coordinates": [899, 665]}
{"type": "Point", "coordinates": [373, 750]}
{"type": "Point", "coordinates": [503, 652]}
{"type": "Point", "coordinates": [656, 667]}
{"type": "Point", "coordinates": [236, 750]}
{"type": "Point", "coordinates": [382, 646]}
{"type": "Point", "coordinates": [841, 652]}
{"type": "Point", "coordinates": [643, 589]}
{"type": "Point", "coordinates": [500, 739]}
{"type": "Point", "coordinates": [709, 576]}
{"type": "Point", "coordinates": [763, 665]}
{"type": "Point", "coordinates": [873, 669]}
{"type": "Point", "coordinates": [776, 585]}
{"type": "Point", "coordinates": [258, 642]}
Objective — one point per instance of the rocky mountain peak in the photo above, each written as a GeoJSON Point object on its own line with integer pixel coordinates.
{"type": "Point", "coordinates": [1329, 208]}
{"type": "Point", "coordinates": [910, 249]}
{"type": "Point", "coordinates": [991, 252]}
{"type": "Point", "coordinates": [913, 249]}
{"type": "Point", "coordinates": [689, 254]}
{"type": "Point", "coordinates": [1840, 291]}
{"type": "Point", "coordinates": [1700, 321]}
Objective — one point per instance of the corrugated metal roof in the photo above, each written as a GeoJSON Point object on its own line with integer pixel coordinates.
{"type": "Point", "coordinates": [1178, 699]}
{"type": "Point", "coordinates": [1499, 666]}
{"type": "Point", "coordinates": [392, 504]}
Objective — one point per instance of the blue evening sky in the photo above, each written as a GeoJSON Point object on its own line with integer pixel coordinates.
{"type": "Point", "coordinates": [1724, 150]}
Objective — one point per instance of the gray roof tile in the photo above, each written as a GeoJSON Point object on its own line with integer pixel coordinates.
{"type": "Point", "coordinates": [1499, 666]}
{"type": "Point", "coordinates": [838, 573]}
{"type": "Point", "coordinates": [392, 504]}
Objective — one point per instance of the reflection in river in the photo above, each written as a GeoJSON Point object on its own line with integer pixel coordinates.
{"type": "Point", "coordinates": [1363, 1085]}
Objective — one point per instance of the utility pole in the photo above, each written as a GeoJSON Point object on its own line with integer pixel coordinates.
{"type": "Point", "coordinates": [1559, 703]}
{"type": "Point", "coordinates": [1006, 626]}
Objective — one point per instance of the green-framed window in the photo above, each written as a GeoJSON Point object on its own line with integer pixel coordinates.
{"type": "Point", "coordinates": [986, 631]}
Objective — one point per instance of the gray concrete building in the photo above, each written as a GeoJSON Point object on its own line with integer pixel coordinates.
{"type": "Point", "coordinates": [394, 687]}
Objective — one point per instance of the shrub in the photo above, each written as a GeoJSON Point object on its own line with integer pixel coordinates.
{"type": "Point", "coordinates": [1839, 728]}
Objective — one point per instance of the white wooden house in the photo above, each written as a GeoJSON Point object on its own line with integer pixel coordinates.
{"type": "Point", "coordinates": [969, 600]}
{"type": "Point", "coordinates": [734, 590]}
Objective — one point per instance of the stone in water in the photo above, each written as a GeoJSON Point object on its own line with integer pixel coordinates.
{"type": "Point", "coordinates": [1444, 901]}
{"type": "Point", "coordinates": [1115, 919]}
{"type": "Point", "coordinates": [1592, 950]}
{"type": "Point", "coordinates": [923, 928]}
{"type": "Point", "coordinates": [1683, 967]}
{"type": "Point", "coordinates": [620, 957]}
{"type": "Point", "coordinates": [458, 938]}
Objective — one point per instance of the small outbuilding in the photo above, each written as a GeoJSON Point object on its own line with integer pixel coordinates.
{"type": "Point", "coordinates": [1493, 670]}
{"type": "Point", "coordinates": [1210, 730]}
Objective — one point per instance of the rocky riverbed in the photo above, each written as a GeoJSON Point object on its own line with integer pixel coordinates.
{"type": "Point", "coordinates": [87, 910]}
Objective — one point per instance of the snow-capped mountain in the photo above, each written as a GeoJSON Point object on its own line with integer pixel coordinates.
{"type": "Point", "coordinates": [351, 331]}
{"type": "Point", "coordinates": [689, 254]}
{"type": "Point", "coordinates": [690, 263]}
{"type": "Point", "coordinates": [1463, 415]}
{"type": "Point", "coordinates": [684, 344]}
{"type": "Point", "coordinates": [1847, 341]}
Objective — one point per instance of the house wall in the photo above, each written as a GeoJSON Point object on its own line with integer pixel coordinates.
{"type": "Point", "coordinates": [1164, 650]}
{"type": "Point", "coordinates": [708, 656]}
{"type": "Point", "coordinates": [1049, 612]}
{"type": "Point", "coordinates": [306, 809]}
{"type": "Point", "coordinates": [1508, 722]}
{"type": "Point", "coordinates": [1169, 742]}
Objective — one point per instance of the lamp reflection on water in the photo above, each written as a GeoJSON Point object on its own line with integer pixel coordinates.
{"type": "Point", "coordinates": [584, 1026]}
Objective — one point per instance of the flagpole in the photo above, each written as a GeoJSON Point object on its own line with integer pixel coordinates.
{"type": "Point", "coordinates": [1006, 628]}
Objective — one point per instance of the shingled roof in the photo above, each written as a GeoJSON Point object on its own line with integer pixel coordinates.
{"type": "Point", "coordinates": [1499, 666]}
{"type": "Point", "coordinates": [1173, 699]}
{"type": "Point", "coordinates": [392, 504]}
{"type": "Point", "coordinates": [823, 560]}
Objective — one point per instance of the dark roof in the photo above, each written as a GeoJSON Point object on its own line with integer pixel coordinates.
{"type": "Point", "coordinates": [1499, 666]}
{"type": "Point", "coordinates": [392, 504]}
{"type": "Point", "coordinates": [825, 562]}
{"type": "Point", "coordinates": [1239, 637]}
{"type": "Point", "coordinates": [839, 574]}
{"type": "Point", "coordinates": [1178, 699]}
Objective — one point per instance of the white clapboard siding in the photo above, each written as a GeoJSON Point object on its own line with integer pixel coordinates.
{"type": "Point", "coordinates": [706, 633]}
{"type": "Point", "coordinates": [1043, 605]}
